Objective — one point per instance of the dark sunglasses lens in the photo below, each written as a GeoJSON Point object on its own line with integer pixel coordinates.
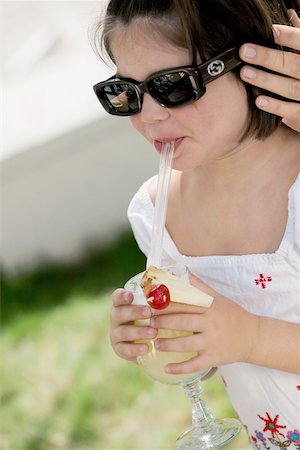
{"type": "Point", "coordinates": [172, 89]}
{"type": "Point", "coordinates": [119, 98]}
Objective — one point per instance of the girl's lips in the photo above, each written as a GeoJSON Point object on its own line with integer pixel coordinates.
{"type": "Point", "coordinates": [159, 144]}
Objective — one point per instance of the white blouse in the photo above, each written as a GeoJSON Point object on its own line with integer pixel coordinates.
{"type": "Point", "coordinates": [266, 400]}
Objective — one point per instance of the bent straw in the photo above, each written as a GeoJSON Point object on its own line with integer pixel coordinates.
{"type": "Point", "coordinates": [160, 208]}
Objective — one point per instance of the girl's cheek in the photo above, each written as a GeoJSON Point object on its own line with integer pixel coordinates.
{"type": "Point", "coordinates": [137, 124]}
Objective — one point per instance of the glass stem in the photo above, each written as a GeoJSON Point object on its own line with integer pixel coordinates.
{"type": "Point", "coordinates": [201, 414]}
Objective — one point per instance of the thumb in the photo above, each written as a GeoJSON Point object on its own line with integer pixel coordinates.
{"type": "Point", "coordinates": [293, 124]}
{"type": "Point", "coordinates": [199, 284]}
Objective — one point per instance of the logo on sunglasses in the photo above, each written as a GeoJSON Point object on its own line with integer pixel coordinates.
{"type": "Point", "coordinates": [215, 67]}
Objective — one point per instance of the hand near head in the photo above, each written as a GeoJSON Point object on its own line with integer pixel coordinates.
{"type": "Point", "coordinates": [286, 81]}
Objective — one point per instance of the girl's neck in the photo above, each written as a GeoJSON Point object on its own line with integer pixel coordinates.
{"type": "Point", "coordinates": [238, 203]}
{"type": "Point", "coordinates": [250, 161]}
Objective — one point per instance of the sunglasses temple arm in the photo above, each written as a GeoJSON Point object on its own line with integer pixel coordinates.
{"type": "Point", "coordinates": [231, 60]}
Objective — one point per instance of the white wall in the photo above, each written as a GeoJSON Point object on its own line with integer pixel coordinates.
{"type": "Point", "coordinates": [70, 193]}
{"type": "Point", "coordinates": [68, 170]}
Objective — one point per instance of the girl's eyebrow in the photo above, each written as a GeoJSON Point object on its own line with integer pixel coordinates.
{"type": "Point", "coordinates": [119, 75]}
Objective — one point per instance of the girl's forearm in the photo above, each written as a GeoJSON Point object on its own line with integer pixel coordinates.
{"type": "Point", "coordinates": [277, 345]}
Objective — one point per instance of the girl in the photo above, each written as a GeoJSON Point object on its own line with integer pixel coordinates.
{"type": "Point", "coordinates": [232, 213]}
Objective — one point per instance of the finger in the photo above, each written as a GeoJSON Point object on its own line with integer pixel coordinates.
{"type": "Point", "coordinates": [130, 333]}
{"type": "Point", "coordinates": [195, 281]}
{"type": "Point", "coordinates": [130, 350]}
{"type": "Point", "coordinates": [123, 314]}
{"type": "Point", "coordinates": [199, 363]}
{"type": "Point", "coordinates": [294, 125]}
{"type": "Point", "coordinates": [181, 322]}
{"type": "Point", "coordinates": [284, 86]}
{"type": "Point", "coordinates": [290, 111]}
{"type": "Point", "coordinates": [210, 373]}
{"type": "Point", "coordinates": [294, 18]}
{"type": "Point", "coordinates": [286, 63]}
{"type": "Point", "coordinates": [287, 36]}
{"type": "Point", "coordinates": [178, 344]}
{"type": "Point", "coordinates": [121, 297]}
{"type": "Point", "coordinates": [178, 308]}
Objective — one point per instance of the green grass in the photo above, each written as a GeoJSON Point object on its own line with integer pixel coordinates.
{"type": "Point", "coordinates": [63, 388]}
{"type": "Point", "coordinates": [52, 285]}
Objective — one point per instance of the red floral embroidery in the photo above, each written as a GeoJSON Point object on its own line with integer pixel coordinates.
{"type": "Point", "coordinates": [271, 424]}
{"type": "Point", "coordinates": [298, 387]}
{"type": "Point", "coordinates": [262, 280]}
{"type": "Point", "coordinates": [262, 440]}
{"type": "Point", "coordinates": [254, 439]}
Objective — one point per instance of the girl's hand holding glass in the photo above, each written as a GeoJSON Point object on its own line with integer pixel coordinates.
{"type": "Point", "coordinates": [214, 332]}
{"type": "Point", "coordinates": [123, 332]}
{"type": "Point", "coordinates": [167, 294]}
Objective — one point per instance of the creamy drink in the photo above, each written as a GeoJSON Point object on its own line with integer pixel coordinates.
{"type": "Point", "coordinates": [154, 361]}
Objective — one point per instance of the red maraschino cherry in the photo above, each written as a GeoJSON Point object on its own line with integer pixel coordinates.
{"type": "Point", "coordinates": [159, 297]}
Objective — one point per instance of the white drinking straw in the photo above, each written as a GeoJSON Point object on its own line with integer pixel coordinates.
{"type": "Point", "coordinates": [160, 208]}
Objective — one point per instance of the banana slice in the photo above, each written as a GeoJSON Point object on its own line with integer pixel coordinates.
{"type": "Point", "coordinates": [180, 291]}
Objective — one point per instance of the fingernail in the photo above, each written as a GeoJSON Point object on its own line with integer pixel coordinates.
{"type": "Point", "coordinates": [249, 51]}
{"type": "Point", "coordinates": [276, 32]}
{"type": "Point", "coordinates": [143, 349]}
{"type": "Point", "coordinates": [291, 13]}
{"type": "Point", "coordinates": [249, 73]}
{"type": "Point", "coordinates": [262, 102]}
{"type": "Point", "coordinates": [151, 332]}
{"type": "Point", "coordinates": [152, 321]}
{"type": "Point", "coordinates": [127, 296]}
{"type": "Point", "coordinates": [168, 369]}
{"type": "Point", "coordinates": [146, 312]}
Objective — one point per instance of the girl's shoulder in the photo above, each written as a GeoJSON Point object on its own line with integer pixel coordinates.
{"type": "Point", "coordinates": [289, 248]}
{"type": "Point", "coordinates": [143, 199]}
{"type": "Point", "coordinates": [140, 215]}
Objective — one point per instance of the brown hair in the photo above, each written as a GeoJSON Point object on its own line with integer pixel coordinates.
{"type": "Point", "coordinates": [206, 27]}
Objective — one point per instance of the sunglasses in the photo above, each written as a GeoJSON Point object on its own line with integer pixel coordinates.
{"type": "Point", "coordinates": [170, 88]}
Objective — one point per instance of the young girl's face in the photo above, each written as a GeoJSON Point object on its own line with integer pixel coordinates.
{"type": "Point", "coordinates": [204, 131]}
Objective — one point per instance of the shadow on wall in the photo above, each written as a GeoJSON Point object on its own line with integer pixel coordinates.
{"type": "Point", "coordinates": [71, 193]}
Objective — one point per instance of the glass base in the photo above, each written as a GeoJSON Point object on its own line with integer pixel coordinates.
{"type": "Point", "coordinates": [213, 435]}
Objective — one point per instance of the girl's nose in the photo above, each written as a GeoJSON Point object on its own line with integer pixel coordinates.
{"type": "Point", "coordinates": [152, 111]}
